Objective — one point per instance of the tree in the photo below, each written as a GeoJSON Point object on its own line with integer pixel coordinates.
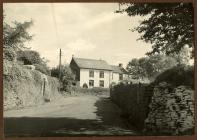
{"type": "Point", "coordinates": [29, 57]}
{"type": "Point", "coordinates": [14, 38]}
{"type": "Point", "coordinates": [66, 78]}
{"type": "Point", "coordinates": [159, 63]}
{"type": "Point", "coordinates": [136, 69]}
{"type": "Point", "coordinates": [167, 26]}
{"type": "Point", "coordinates": [183, 57]}
{"type": "Point", "coordinates": [55, 71]}
{"type": "Point", "coordinates": [150, 67]}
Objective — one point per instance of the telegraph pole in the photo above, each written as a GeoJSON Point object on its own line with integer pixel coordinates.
{"type": "Point", "coordinates": [60, 55]}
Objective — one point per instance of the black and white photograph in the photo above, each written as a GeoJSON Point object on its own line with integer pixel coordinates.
{"type": "Point", "coordinates": [98, 69]}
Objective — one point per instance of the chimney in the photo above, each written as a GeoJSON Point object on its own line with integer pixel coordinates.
{"type": "Point", "coordinates": [72, 55]}
{"type": "Point", "coordinates": [120, 65]}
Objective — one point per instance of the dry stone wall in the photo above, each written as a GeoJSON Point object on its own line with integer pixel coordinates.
{"type": "Point", "coordinates": [171, 111]}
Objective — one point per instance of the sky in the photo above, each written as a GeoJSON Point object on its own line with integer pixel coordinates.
{"type": "Point", "coordinates": [85, 30]}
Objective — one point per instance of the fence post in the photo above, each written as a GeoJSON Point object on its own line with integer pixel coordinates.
{"type": "Point", "coordinates": [44, 87]}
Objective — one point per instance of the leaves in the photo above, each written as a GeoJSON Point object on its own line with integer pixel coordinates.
{"type": "Point", "coordinates": [169, 28]}
{"type": "Point", "coordinates": [150, 67]}
{"type": "Point", "coordinates": [66, 77]}
{"type": "Point", "coordinates": [17, 35]}
{"type": "Point", "coordinates": [29, 57]}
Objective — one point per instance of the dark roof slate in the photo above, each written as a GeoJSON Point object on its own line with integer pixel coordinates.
{"type": "Point", "coordinates": [92, 63]}
{"type": "Point", "coordinates": [97, 64]}
{"type": "Point", "coordinates": [118, 69]}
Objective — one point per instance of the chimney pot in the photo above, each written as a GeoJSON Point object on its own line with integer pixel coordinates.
{"type": "Point", "coordinates": [120, 64]}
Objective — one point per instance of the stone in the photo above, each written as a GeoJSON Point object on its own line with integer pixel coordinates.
{"type": "Point", "coordinates": [171, 112]}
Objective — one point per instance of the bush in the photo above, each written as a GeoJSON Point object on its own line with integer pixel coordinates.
{"type": "Point", "coordinates": [91, 91]}
{"type": "Point", "coordinates": [55, 72]}
{"type": "Point", "coordinates": [67, 78]}
{"type": "Point", "coordinates": [176, 76]}
{"type": "Point", "coordinates": [20, 84]}
{"type": "Point", "coordinates": [9, 54]}
{"type": "Point", "coordinates": [98, 90]}
{"type": "Point", "coordinates": [42, 69]}
{"type": "Point", "coordinates": [29, 57]}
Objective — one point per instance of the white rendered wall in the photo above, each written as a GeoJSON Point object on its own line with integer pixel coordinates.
{"type": "Point", "coordinates": [115, 77]}
{"type": "Point", "coordinates": [84, 78]}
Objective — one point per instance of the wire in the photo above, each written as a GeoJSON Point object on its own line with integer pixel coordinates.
{"type": "Point", "coordinates": [55, 24]}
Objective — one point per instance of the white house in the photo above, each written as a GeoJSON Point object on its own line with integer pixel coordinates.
{"type": "Point", "coordinates": [96, 73]}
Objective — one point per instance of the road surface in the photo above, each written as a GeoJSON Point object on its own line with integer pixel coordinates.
{"type": "Point", "coordinates": [71, 116]}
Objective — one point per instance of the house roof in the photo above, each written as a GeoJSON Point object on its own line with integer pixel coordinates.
{"type": "Point", "coordinates": [118, 69]}
{"type": "Point", "coordinates": [92, 63]}
{"type": "Point", "coordinates": [97, 64]}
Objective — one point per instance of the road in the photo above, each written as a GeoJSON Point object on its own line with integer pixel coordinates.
{"type": "Point", "coordinates": [71, 116]}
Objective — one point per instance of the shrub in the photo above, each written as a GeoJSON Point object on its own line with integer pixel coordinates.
{"type": "Point", "coordinates": [42, 69]}
{"type": "Point", "coordinates": [179, 75]}
{"type": "Point", "coordinates": [9, 54]}
{"type": "Point", "coordinates": [98, 90]}
{"type": "Point", "coordinates": [91, 91]}
{"type": "Point", "coordinates": [67, 78]}
{"type": "Point", "coordinates": [55, 72]}
{"type": "Point", "coordinates": [29, 57]}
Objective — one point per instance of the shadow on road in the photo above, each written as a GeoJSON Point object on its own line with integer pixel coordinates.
{"type": "Point", "coordinates": [27, 126]}
{"type": "Point", "coordinates": [108, 123]}
{"type": "Point", "coordinates": [110, 114]}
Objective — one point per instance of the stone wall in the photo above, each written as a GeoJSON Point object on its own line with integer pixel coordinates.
{"type": "Point", "coordinates": [171, 111]}
{"type": "Point", "coordinates": [157, 110]}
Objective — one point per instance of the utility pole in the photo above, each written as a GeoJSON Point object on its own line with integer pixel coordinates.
{"type": "Point", "coordinates": [60, 55]}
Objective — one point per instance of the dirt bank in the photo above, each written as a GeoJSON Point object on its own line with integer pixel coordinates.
{"type": "Point", "coordinates": [24, 87]}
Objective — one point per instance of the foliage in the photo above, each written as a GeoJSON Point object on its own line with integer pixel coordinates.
{"type": "Point", "coordinates": [183, 56]}
{"type": "Point", "coordinates": [25, 85]}
{"type": "Point", "coordinates": [167, 26]}
{"type": "Point", "coordinates": [133, 101]}
{"type": "Point", "coordinates": [55, 71]}
{"type": "Point", "coordinates": [135, 68]}
{"type": "Point", "coordinates": [29, 57]}
{"type": "Point", "coordinates": [149, 67]}
{"type": "Point", "coordinates": [66, 76]}
{"type": "Point", "coordinates": [9, 54]}
{"type": "Point", "coordinates": [112, 84]}
{"type": "Point", "coordinates": [17, 35]}
{"type": "Point", "coordinates": [14, 38]}
{"type": "Point", "coordinates": [91, 91]}
{"type": "Point", "coordinates": [42, 68]}
{"type": "Point", "coordinates": [179, 75]}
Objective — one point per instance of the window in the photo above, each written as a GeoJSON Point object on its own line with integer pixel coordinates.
{"type": "Point", "coordinates": [120, 76]}
{"type": "Point", "coordinates": [91, 83]}
{"type": "Point", "coordinates": [101, 83]}
{"type": "Point", "coordinates": [91, 73]}
{"type": "Point", "coordinates": [101, 74]}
